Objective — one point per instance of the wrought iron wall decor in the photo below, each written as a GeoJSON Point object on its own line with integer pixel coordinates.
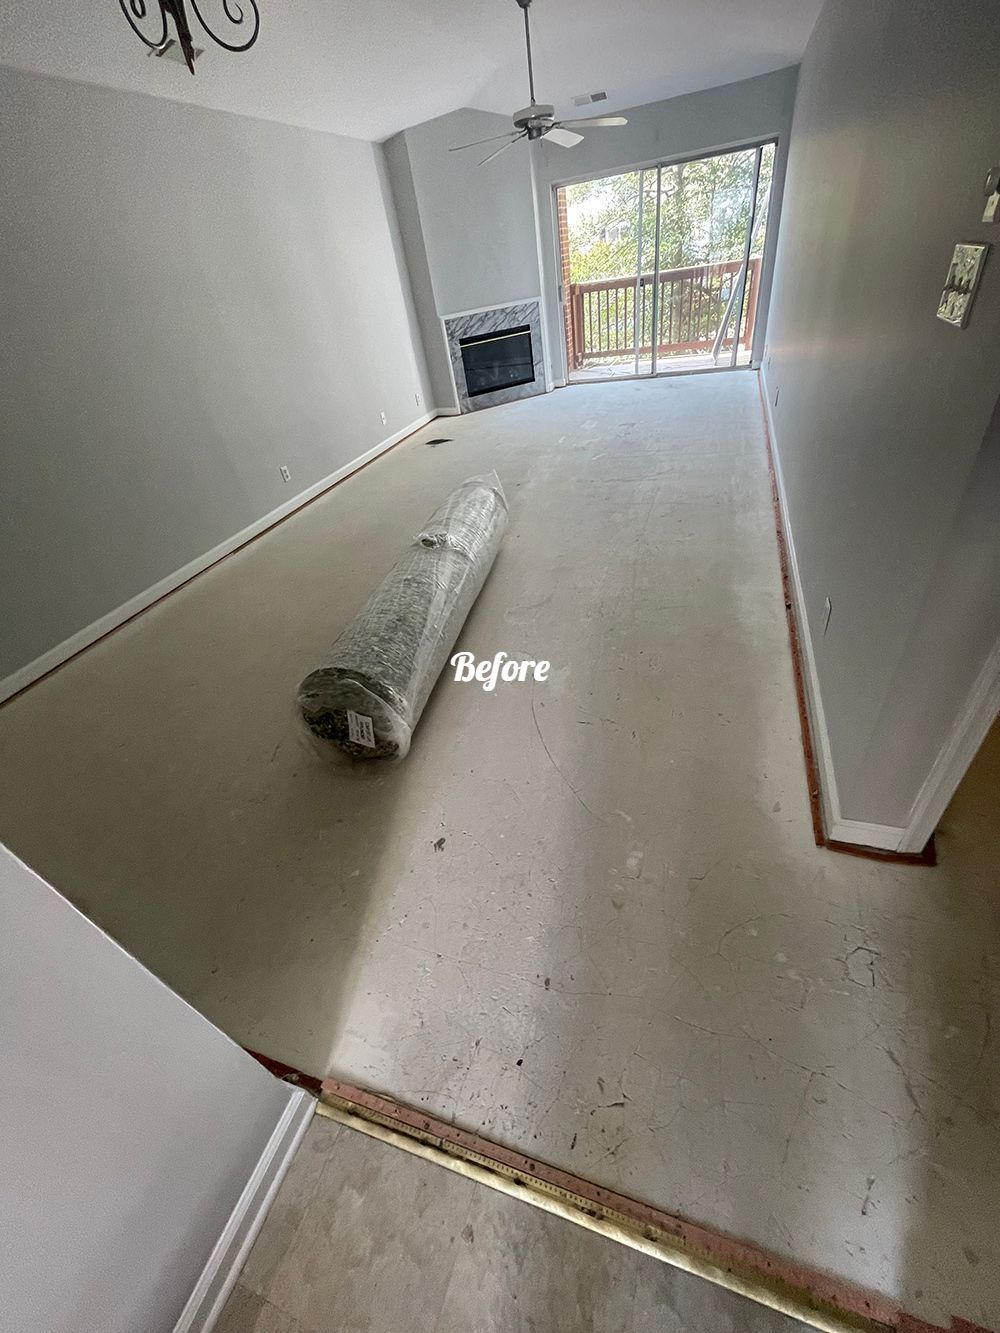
{"type": "Point", "coordinates": [238, 14]}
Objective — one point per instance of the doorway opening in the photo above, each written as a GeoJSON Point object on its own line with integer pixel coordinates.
{"type": "Point", "coordinates": [676, 248]}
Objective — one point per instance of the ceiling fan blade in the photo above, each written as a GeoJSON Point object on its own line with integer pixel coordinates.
{"type": "Point", "coordinates": [565, 138]}
{"type": "Point", "coordinates": [498, 151]}
{"type": "Point", "coordinates": [476, 142]}
{"type": "Point", "coordinates": [594, 120]}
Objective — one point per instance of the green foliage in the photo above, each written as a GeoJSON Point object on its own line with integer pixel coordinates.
{"type": "Point", "coordinates": [704, 210]}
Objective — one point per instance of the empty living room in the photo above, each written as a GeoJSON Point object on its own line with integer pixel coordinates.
{"type": "Point", "coordinates": [500, 666]}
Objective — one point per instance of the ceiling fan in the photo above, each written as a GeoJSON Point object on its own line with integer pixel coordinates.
{"type": "Point", "coordinates": [538, 121]}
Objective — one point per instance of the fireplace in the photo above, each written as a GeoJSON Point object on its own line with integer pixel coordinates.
{"type": "Point", "coordinates": [496, 354]}
{"type": "Point", "coordinates": [498, 360]}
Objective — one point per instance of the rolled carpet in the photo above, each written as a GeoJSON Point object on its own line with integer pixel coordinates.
{"type": "Point", "coordinates": [368, 693]}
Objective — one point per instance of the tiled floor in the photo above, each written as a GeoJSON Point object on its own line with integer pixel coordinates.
{"type": "Point", "coordinates": [587, 917]}
{"type": "Point", "coordinates": [366, 1237]}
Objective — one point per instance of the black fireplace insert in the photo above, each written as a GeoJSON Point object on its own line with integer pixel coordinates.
{"type": "Point", "coordinates": [497, 360]}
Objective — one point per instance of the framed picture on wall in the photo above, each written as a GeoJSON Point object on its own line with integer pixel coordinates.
{"type": "Point", "coordinates": [960, 287]}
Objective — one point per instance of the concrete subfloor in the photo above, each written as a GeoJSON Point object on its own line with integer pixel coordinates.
{"type": "Point", "coordinates": [586, 917]}
{"type": "Point", "coordinates": [362, 1236]}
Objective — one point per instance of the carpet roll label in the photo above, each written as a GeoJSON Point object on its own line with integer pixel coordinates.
{"type": "Point", "coordinates": [360, 729]}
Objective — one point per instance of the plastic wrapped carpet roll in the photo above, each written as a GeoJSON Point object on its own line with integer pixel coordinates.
{"type": "Point", "coordinates": [367, 695]}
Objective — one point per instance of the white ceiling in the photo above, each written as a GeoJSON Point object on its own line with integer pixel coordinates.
{"type": "Point", "coordinates": [368, 68]}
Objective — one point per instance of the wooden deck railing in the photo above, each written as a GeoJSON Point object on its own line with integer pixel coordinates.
{"type": "Point", "coordinates": [692, 304]}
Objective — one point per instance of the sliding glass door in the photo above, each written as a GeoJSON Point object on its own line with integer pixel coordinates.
{"type": "Point", "coordinates": [602, 231]}
{"type": "Point", "coordinates": [661, 267]}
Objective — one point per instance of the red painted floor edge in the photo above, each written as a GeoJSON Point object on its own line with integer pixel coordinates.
{"type": "Point", "coordinates": [288, 1073]}
{"type": "Point", "coordinates": [928, 857]}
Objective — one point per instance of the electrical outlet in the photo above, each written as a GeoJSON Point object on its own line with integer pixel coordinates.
{"type": "Point", "coordinates": [383, 416]}
{"type": "Point", "coordinates": [416, 399]}
{"type": "Point", "coordinates": [285, 474]}
{"type": "Point", "coordinates": [827, 612]}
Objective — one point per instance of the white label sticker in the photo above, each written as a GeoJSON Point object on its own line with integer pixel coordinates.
{"type": "Point", "coordinates": [360, 729]}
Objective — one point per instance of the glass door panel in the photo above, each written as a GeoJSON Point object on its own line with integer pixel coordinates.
{"type": "Point", "coordinates": [755, 254]}
{"type": "Point", "coordinates": [601, 228]}
{"type": "Point", "coordinates": [706, 220]}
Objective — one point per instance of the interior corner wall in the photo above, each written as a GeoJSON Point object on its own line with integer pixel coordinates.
{"type": "Point", "coordinates": [435, 348]}
{"type": "Point", "coordinates": [882, 413]}
{"type": "Point", "coordinates": [732, 114]}
{"type": "Point", "coordinates": [191, 299]}
{"type": "Point", "coordinates": [470, 232]}
{"type": "Point", "coordinates": [131, 1126]}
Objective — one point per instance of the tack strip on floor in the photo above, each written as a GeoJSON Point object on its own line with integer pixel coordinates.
{"type": "Point", "coordinates": [810, 1297]}
{"type": "Point", "coordinates": [814, 1298]}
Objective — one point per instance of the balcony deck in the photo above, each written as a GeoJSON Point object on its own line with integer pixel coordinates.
{"type": "Point", "coordinates": [606, 317]}
{"type": "Point", "coordinates": [666, 365]}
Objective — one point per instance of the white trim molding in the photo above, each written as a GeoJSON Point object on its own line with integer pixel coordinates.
{"type": "Point", "coordinates": [882, 837]}
{"type": "Point", "coordinates": [26, 675]}
{"type": "Point", "coordinates": [230, 1251]}
{"type": "Point", "coordinates": [978, 714]}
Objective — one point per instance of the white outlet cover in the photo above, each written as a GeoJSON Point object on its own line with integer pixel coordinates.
{"type": "Point", "coordinates": [285, 473]}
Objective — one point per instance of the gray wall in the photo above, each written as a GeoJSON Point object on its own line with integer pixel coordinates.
{"type": "Point", "coordinates": [469, 230]}
{"type": "Point", "coordinates": [130, 1126]}
{"type": "Point", "coordinates": [190, 299]}
{"type": "Point", "coordinates": [680, 127]}
{"type": "Point", "coordinates": [883, 412]}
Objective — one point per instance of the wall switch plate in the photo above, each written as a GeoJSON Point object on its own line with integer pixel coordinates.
{"type": "Point", "coordinates": [285, 473]}
{"type": "Point", "coordinates": [383, 416]}
{"type": "Point", "coordinates": [960, 286]}
{"type": "Point", "coordinates": [991, 189]}
{"type": "Point", "coordinates": [827, 612]}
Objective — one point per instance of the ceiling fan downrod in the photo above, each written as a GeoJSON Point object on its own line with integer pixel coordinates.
{"type": "Point", "coordinates": [538, 120]}
{"type": "Point", "coordinates": [525, 6]}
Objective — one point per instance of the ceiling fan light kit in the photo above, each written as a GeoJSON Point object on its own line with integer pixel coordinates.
{"type": "Point", "coordinates": [538, 120]}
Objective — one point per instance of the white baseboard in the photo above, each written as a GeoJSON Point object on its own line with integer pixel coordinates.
{"type": "Point", "coordinates": [23, 677]}
{"type": "Point", "coordinates": [449, 412]}
{"type": "Point", "coordinates": [977, 716]}
{"type": "Point", "coordinates": [229, 1254]}
{"type": "Point", "coordinates": [884, 837]}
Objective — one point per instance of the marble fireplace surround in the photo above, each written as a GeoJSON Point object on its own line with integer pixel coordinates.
{"type": "Point", "coordinates": [469, 323]}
